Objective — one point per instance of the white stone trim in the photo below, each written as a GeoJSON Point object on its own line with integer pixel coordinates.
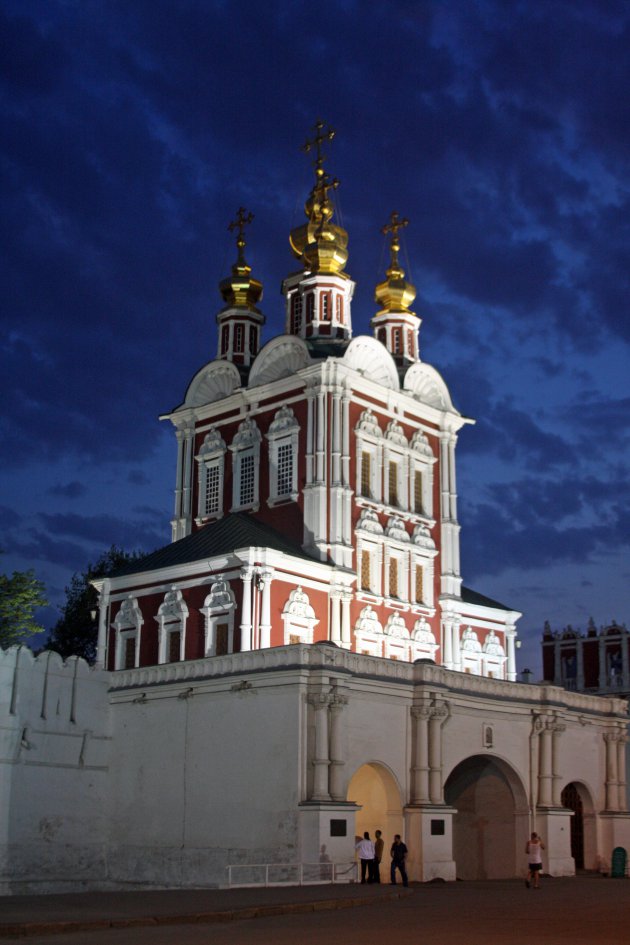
{"type": "Point", "coordinates": [219, 607]}
{"type": "Point", "coordinates": [171, 618]}
{"type": "Point", "coordinates": [298, 617]}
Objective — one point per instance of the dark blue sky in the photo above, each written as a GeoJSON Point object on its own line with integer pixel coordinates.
{"type": "Point", "coordinates": [133, 131]}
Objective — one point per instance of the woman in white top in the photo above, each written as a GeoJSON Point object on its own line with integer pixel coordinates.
{"type": "Point", "coordinates": [533, 849]}
{"type": "Point", "coordinates": [365, 850]}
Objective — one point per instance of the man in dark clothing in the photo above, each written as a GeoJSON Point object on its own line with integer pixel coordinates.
{"type": "Point", "coordinates": [379, 845]}
{"type": "Point", "coordinates": [398, 852]}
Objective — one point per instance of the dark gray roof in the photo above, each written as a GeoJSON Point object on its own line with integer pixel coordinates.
{"type": "Point", "coordinates": [237, 530]}
{"type": "Point", "coordinates": [474, 597]}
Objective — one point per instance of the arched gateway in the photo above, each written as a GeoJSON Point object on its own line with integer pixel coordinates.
{"type": "Point", "coordinates": [491, 824]}
{"type": "Point", "coordinates": [374, 789]}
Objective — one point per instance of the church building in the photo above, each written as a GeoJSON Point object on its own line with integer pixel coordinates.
{"type": "Point", "coordinates": [303, 662]}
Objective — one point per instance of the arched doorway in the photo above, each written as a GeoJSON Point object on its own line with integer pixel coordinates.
{"type": "Point", "coordinates": [374, 788]}
{"type": "Point", "coordinates": [491, 818]}
{"type": "Point", "coordinates": [577, 798]}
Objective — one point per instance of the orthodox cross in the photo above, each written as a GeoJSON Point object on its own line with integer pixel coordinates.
{"type": "Point", "coordinates": [318, 140]}
{"type": "Point", "coordinates": [243, 219]}
{"type": "Point", "coordinates": [394, 226]}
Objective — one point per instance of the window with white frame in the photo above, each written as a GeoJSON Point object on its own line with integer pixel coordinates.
{"type": "Point", "coordinates": [171, 619]}
{"type": "Point", "coordinates": [396, 464]}
{"type": "Point", "coordinates": [298, 618]}
{"type": "Point", "coordinates": [423, 643]}
{"type": "Point", "coordinates": [127, 624]}
{"type": "Point", "coordinates": [218, 610]}
{"type": "Point", "coordinates": [368, 633]}
{"type": "Point", "coordinates": [245, 449]}
{"type": "Point", "coordinates": [493, 655]}
{"type": "Point", "coordinates": [369, 551]}
{"type": "Point", "coordinates": [421, 478]}
{"type": "Point", "coordinates": [396, 642]}
{"type": "Point", "coordinates": [283, 439]}
{"type": "Point", "coordinates": [470, 652]}
{"type": "Point", "coordinates": [211, 469]}
{"type": "Point", "coordinates": [369, 452]}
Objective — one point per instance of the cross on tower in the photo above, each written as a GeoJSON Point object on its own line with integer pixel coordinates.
{"type": "Point", "coordinates": [243, 219]}
{"type": "Point", "coordinates": [395, 224]}
{"type": "Point", "coordinates": [318, 140]}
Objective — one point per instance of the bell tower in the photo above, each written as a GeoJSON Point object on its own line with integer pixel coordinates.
{"type": "Point", "coordinates": [395, 325]}
{"type": "Point", "coordinates": [318, 296]}
{"type": "Point", "coordinates": [240, 322]}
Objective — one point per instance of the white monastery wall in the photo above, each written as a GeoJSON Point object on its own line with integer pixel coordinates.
{"type": "Point", "coordinates": [54, 763]}
{"type": "Point", "coordinates": [166, 775]}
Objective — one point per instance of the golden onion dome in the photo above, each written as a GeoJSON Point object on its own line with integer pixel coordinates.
{"type": "Point", "coordinates": [240, 290]}
{"type": "Point", "coordinates": [319, 243]}
{"type": "Point", "coordinates": [395, 294]}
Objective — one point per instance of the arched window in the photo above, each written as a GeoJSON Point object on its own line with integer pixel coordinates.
{"type": "Point", "coordinates": [283, 438]}
{"type": "Point", "coordinates": [127, 624]}
{"type": "Point", "coordinates": [298, 618]}
{"type": "Point", "coordinates": [211, 468]}
{"type": "Point", "coordinates": [218, 610]}
{"type": "Point", "coordinates": [369, 633]}
{"type": "Point", "coordinates": [171, 618]}
{"type": "Point", "coordinates": [397, 645]}
{"type": "Point", "coordinates": [423, 644]}
{"type": "Point", "coordinates": [245, 448]}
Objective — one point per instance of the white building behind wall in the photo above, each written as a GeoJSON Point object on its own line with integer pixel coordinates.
{"type": "Point", "coordinates": [303, 662]}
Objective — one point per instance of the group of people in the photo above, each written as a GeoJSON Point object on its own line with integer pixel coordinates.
{"type": "Point", "coordinates": [371, 853]}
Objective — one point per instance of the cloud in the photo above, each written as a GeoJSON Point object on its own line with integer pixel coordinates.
{"type": "Point", "coordinates": [71, 490]}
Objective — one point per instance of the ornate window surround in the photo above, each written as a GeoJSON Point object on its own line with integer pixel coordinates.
{"type": "Point", "coordinates": [210, 456]}
{"type": "Point", "coordinates": [284, 430]}
{"type": "Point", "coordinates": [171, 618]}
{"type": "Point", "coordinates": [246, 442]}
{"type": "Point", "coordinates": [369, 440]}
{"type": "Point", "coordinates": [298, 617]}
{"type": "Point", "coordinates": [423, 643]}
{"type": "Point", "coordinates": [218, 608]}
{"type": "Point", "coordinates": [368, 633]}
{"type": "Point", "coordinates": [470, 648]}
{"type": "Point", "coordinates": [127, 624]}
{"type": "Point", "coordinates": [396, 642]}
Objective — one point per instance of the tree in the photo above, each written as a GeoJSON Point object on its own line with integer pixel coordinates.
{"type": "Point", "coordinates": [20, 596]}
{"type": "Point", "coordinates": [76, 631]}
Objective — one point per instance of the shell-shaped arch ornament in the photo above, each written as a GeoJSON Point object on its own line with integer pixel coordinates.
{"type": "Point", "coordinates": [213, 382]}
{"type": "Point", "coordinates": [425, 384]}
{"type": "Point", "coordinates": [369, 357]}
{"type": "Point", "coordinates": [280, 357]}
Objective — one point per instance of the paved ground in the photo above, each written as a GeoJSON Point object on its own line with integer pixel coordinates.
{"type": "Point", "coordinates": [579, 911]}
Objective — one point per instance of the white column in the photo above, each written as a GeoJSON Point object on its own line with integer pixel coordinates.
{"type": "Point", "coordinates": [447, 643]}
{"type": "Point", "coordinates": [246, 610]}
{"type": "Point", "coordinates": [556, 789]}
{"type": "Point", "coordinates": [457, 652]}
{"type": "Point", "coordinates": [187, 477]}
{"type": "Point", "coordinates": [178, 483]}
{"type": "Point", "coordinates": [621, 772]}
{"type": "Point", "coordinates": [337, 704]}
{"type": "Point", "coordinates": [321, 436]}
{"type": "Point", "coordinates": [612, 783]}
{"type": "Point", "coordinates": [420, 769]}
{"type": "Point", "coordinates": [510, 635]}
{"type": "Point", "coordinates": [438, 716]}
{"type": "Point", "coordinates": [346, 633]}
{"type": "Point", "coordinates": [309, 437]}
{"type": "Point", "coordinates": [335, 617]}
{"type": "Point", "coordinates": [321, 762]}
{"type": "Point", "coordinates": [265, 580]}
{"type": "Point", "coordinates": [544, 768]}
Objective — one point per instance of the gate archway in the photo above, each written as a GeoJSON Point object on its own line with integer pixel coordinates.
{"type": "Point", "coordinates": [491, 822]}
{"type": "Point", "coordinates": [577, 797]}
{"type": "Point", "coordinates": [375, 789]}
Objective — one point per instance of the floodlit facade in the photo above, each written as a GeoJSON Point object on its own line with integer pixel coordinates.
{"type": "Point", "coordinates": [303, 662]}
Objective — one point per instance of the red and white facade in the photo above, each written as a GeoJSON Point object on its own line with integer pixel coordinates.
{"type": "Point", "coordinates": [344, 447]}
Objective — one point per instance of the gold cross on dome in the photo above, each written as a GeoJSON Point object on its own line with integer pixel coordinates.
{"type": "Point", "coordinates": [318, 140]}
{"type": "Point", "coordinates": [395, 224]}
{"type": "Point", "coordinates": [243, 219]}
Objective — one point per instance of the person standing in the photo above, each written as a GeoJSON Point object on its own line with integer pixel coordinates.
{"type": "Point", "coordinates": [379, 845]}
{"type": "Point", "coordinates": [533, 849]}
{"type": "Point", "coordinates": [365, 850]}
{"type": "Point", "coordinates": [399, 853]}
